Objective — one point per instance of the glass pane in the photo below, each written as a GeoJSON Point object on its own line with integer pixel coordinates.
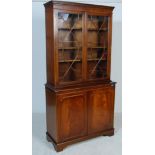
{"type": "Point", "coordinates": [70, 47]}
{"type": "Point", "coordinates": [97, 29]}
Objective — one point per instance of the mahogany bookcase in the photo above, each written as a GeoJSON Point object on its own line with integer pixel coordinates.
{"type": "Point", "coordinates": [79, 92]}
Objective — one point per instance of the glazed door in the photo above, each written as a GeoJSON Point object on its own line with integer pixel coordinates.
{"type": "Point", "coordinates": [100, 109]}
{"type": "Point", "coordinates": [98, 46]}
{"type": "Point", "coordinates": [73, 116]}
{"type": "Point", "coordinates": [83, 46]}
{"type": "Point", "coordinates": [70, 46]}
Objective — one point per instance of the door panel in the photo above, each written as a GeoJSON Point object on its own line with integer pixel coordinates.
{"type": "Point", "coordinates": [100, 109]}
{"type": "Point", "coordinates": [70, 46]}
{"type": "Point", "coordinates": [73, 116]}
{"type": "Point", "coordinates": [97, 46]}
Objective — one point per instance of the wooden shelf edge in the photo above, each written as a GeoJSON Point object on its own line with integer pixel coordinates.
{"type": "Point", "coordinates": [80, 60]}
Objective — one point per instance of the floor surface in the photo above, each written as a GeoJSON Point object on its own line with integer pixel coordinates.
{"type": "Point", "coordinates": [96, 146]}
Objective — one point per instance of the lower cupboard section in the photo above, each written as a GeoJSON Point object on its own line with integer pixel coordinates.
{"type": "Point", "coordinates": [76, 114]}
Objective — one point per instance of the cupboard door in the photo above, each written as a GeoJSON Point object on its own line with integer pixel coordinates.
{"type": "Point", "coordinates": [73, 116]}
{"type": "Point", "coordinates": [97, 46]}
{"type": "Point", "coordinates": [100, 109]}
{"type": "Point", "coordinates": [70, 46]}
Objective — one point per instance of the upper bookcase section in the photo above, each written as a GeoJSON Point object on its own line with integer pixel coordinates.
{"type": "Point", "coordinates": [78, 41]}
{"type": "Point", "coordinates": [81, 6]}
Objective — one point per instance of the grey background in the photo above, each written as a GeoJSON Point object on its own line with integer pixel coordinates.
{"type": "Point", "coordinates": [39, 51]}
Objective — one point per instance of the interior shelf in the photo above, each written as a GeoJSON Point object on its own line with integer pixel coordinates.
{"type": "Point", "coordinates": [89, 29]}
{"type": "Point", "coordinates": [69, 48]}
{"type": "Point", "coordinates": [75, 48]}
{"type": "Point", "coordinates": [97, 47]}
{"type": "Point", "coordinates": [97, 59]}
{"type": "Point", "coordinates": [63, 28]}
{"type": "Point", "coordinates": [79, 60]}
{"type": "Point", "coordinates": [93, 29]}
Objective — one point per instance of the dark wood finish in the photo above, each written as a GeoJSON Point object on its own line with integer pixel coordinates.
{"type": "Point", "coordinates": [52, 9]}
{"type": "Point", "coordinates": [51, 114]}
{"type": "Point", "coordinates": [100, 109]}
{"type": "Point", "coordinates": [72, 115]}
{"type": "Point", "coordinates": [60, 146]}
{"type": "Point", "coordinates": [79, 113]}
{"type": "Point", "coordinates": [77, 108]}
{"type": "Point", "coordinates": [49, 43]}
